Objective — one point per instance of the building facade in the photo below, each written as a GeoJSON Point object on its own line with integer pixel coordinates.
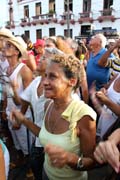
{"type": "Point", "coordinates": [74, 18]}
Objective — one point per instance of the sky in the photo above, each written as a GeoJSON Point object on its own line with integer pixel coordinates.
{"type": "Point", "coordinates": [3, 12]}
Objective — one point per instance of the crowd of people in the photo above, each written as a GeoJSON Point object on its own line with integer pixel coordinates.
{"type": "Point", "coordinates": [60, 97]}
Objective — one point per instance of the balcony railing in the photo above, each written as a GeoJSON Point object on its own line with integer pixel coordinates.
{"type": "Point", "coordinates": [25, 22]}
{"type": "Point", "coordinates": [106, 14]}
{"type": "Point", "coordinates": [85, 17]}
{"type": "Point", "coordinates": [44, 18]}
{"type": "Point", "coordinates": [65, 15]}
{"type": "Point", "coordinates": [84, 14]}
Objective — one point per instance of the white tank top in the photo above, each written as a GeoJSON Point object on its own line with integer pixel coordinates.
{"type": "Point", "coordinates": [17, 77]}
{"type": "Point", "coordinates": [107, 117]}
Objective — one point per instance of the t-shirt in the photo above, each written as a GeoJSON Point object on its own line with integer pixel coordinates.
{"type": "Point", "coordinates": [37, 102]}
{"type": "Point", "coordinates": [95, 72]}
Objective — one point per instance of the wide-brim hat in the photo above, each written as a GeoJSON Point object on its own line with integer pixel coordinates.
{"type": "Point", "coordinates": [6, 33]}
{"type": "Point", "coordinates": [20, 45]}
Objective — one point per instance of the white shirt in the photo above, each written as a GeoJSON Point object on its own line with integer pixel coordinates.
{"type": "Point", "coordinates": [30, 95]}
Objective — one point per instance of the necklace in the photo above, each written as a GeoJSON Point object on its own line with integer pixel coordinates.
{"type": "Point", "coordinates": [53, 125]}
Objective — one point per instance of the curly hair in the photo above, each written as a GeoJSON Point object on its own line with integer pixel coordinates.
{"type": "Point", "coordinates": [70, 65]}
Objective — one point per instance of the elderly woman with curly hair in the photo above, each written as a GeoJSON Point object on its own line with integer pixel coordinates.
{"type": "Point", "coordinates": [69, 129]}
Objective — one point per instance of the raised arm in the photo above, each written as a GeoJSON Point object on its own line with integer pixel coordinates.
{"type": "Point", "coordinates": [103, 61]}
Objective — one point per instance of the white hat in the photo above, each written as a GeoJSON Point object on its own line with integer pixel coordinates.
{"type": "Point", "coordinates": [20, 45]}
{"type": "Point", "coordinates": [6, 33]}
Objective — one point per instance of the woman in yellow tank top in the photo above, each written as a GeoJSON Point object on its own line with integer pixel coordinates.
{"type": "Point", "coordinates": [69, 129]}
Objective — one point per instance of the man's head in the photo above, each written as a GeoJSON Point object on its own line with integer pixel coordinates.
{"type": "Point", "coordinates": [97, 42]}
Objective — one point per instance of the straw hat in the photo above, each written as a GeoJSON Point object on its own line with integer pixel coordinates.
{"type": "Point", "coordinates": [19, 43]}
{"type": "Point", "coordinates": [6, 33]}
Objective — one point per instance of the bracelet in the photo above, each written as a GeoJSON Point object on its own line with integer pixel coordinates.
{"type": "Point", "coordinates": [80, 163]}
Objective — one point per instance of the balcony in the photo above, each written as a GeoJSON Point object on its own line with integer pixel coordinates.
{"type": "Point", "coordinates": [64, 16]}
{"type": "Point", "coordinates": [25, 22]}
{"type": "Point", "coordinates": [106, 15]}
{"type": "Point", "coordinates": [44, 19]}
{"type": "Point", "coordinates": [85, 17]}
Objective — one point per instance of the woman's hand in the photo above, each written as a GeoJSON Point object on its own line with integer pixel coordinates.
{"type": "Point", "coordinates": [102, 96]}
{"type": "Point", "coordinates": [16, 118]}
{"type": "Point", "coordinates": [108, 152]}
{"type": "Point", "coordinates": [59, 157]}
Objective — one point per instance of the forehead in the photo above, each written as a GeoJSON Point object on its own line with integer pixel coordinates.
{"type": "Point", "coordinates": [54, 67]}
{"type": "Point", "coordinates": [95, 39]}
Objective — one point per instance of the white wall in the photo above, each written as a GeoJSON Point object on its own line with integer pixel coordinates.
{"type": "Point", "coordinates": [97, 5]}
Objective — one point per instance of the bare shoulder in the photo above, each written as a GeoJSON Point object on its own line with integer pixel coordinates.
{"type": "Point", "coordinates": [25, 71]}
{"type": "Point", "coordinates": [86, 122]}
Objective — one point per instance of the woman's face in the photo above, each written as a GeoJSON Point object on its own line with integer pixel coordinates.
{"type": "Point", "coordinates": [56, 85]}
{"type": "Point", "coordinates": [42, 63]}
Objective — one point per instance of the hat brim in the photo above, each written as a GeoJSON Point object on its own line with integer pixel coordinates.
{"type": "Point", "coordinates": [19, 46]}
{"type": "Point", "coordinates": [6, 33]}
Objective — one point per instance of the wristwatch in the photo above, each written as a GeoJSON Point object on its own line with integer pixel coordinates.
{"type": "Point", "coordinates": [80, 163]}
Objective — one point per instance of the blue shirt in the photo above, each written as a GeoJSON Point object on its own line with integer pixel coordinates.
{"type": "Point", "coordinates": [95, 72]}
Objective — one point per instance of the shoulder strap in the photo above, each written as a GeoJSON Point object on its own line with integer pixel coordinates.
{"type": "Point", "coordinates": [47, 109]}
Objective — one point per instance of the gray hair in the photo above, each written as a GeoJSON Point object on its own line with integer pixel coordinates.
{"type": "Point", "coordinates": [53, 51]}
{"type": "Point", "coordinates": [102, 38]}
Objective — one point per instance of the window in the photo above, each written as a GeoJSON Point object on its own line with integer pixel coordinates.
{"type": "Point", "coordinates": [66, 33]}
{"type": "Point", "coordinates": [51, 5]}
{"type": "Point", "coordinates": [52, 32]}
{"type": "Point", "coordinates": [86, 5]}
{"type": "Point", "coordinates": [70, 5]}
{"type": "Point", "coordinates": [26, 11]}
{"type": "Point", "coordinates": [107, 4]}
{"type": "Point", "coordinates": [86, 30]}
{"type": "Point", "coordinates": [39, 34]}
{"type": "Point", "coordinates": [27, 34]}
{"type": "Point", "coordinates": [38, 9]}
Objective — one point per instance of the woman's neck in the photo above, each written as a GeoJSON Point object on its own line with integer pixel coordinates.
{"type": "Point", "coordinates": [62, 103]}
